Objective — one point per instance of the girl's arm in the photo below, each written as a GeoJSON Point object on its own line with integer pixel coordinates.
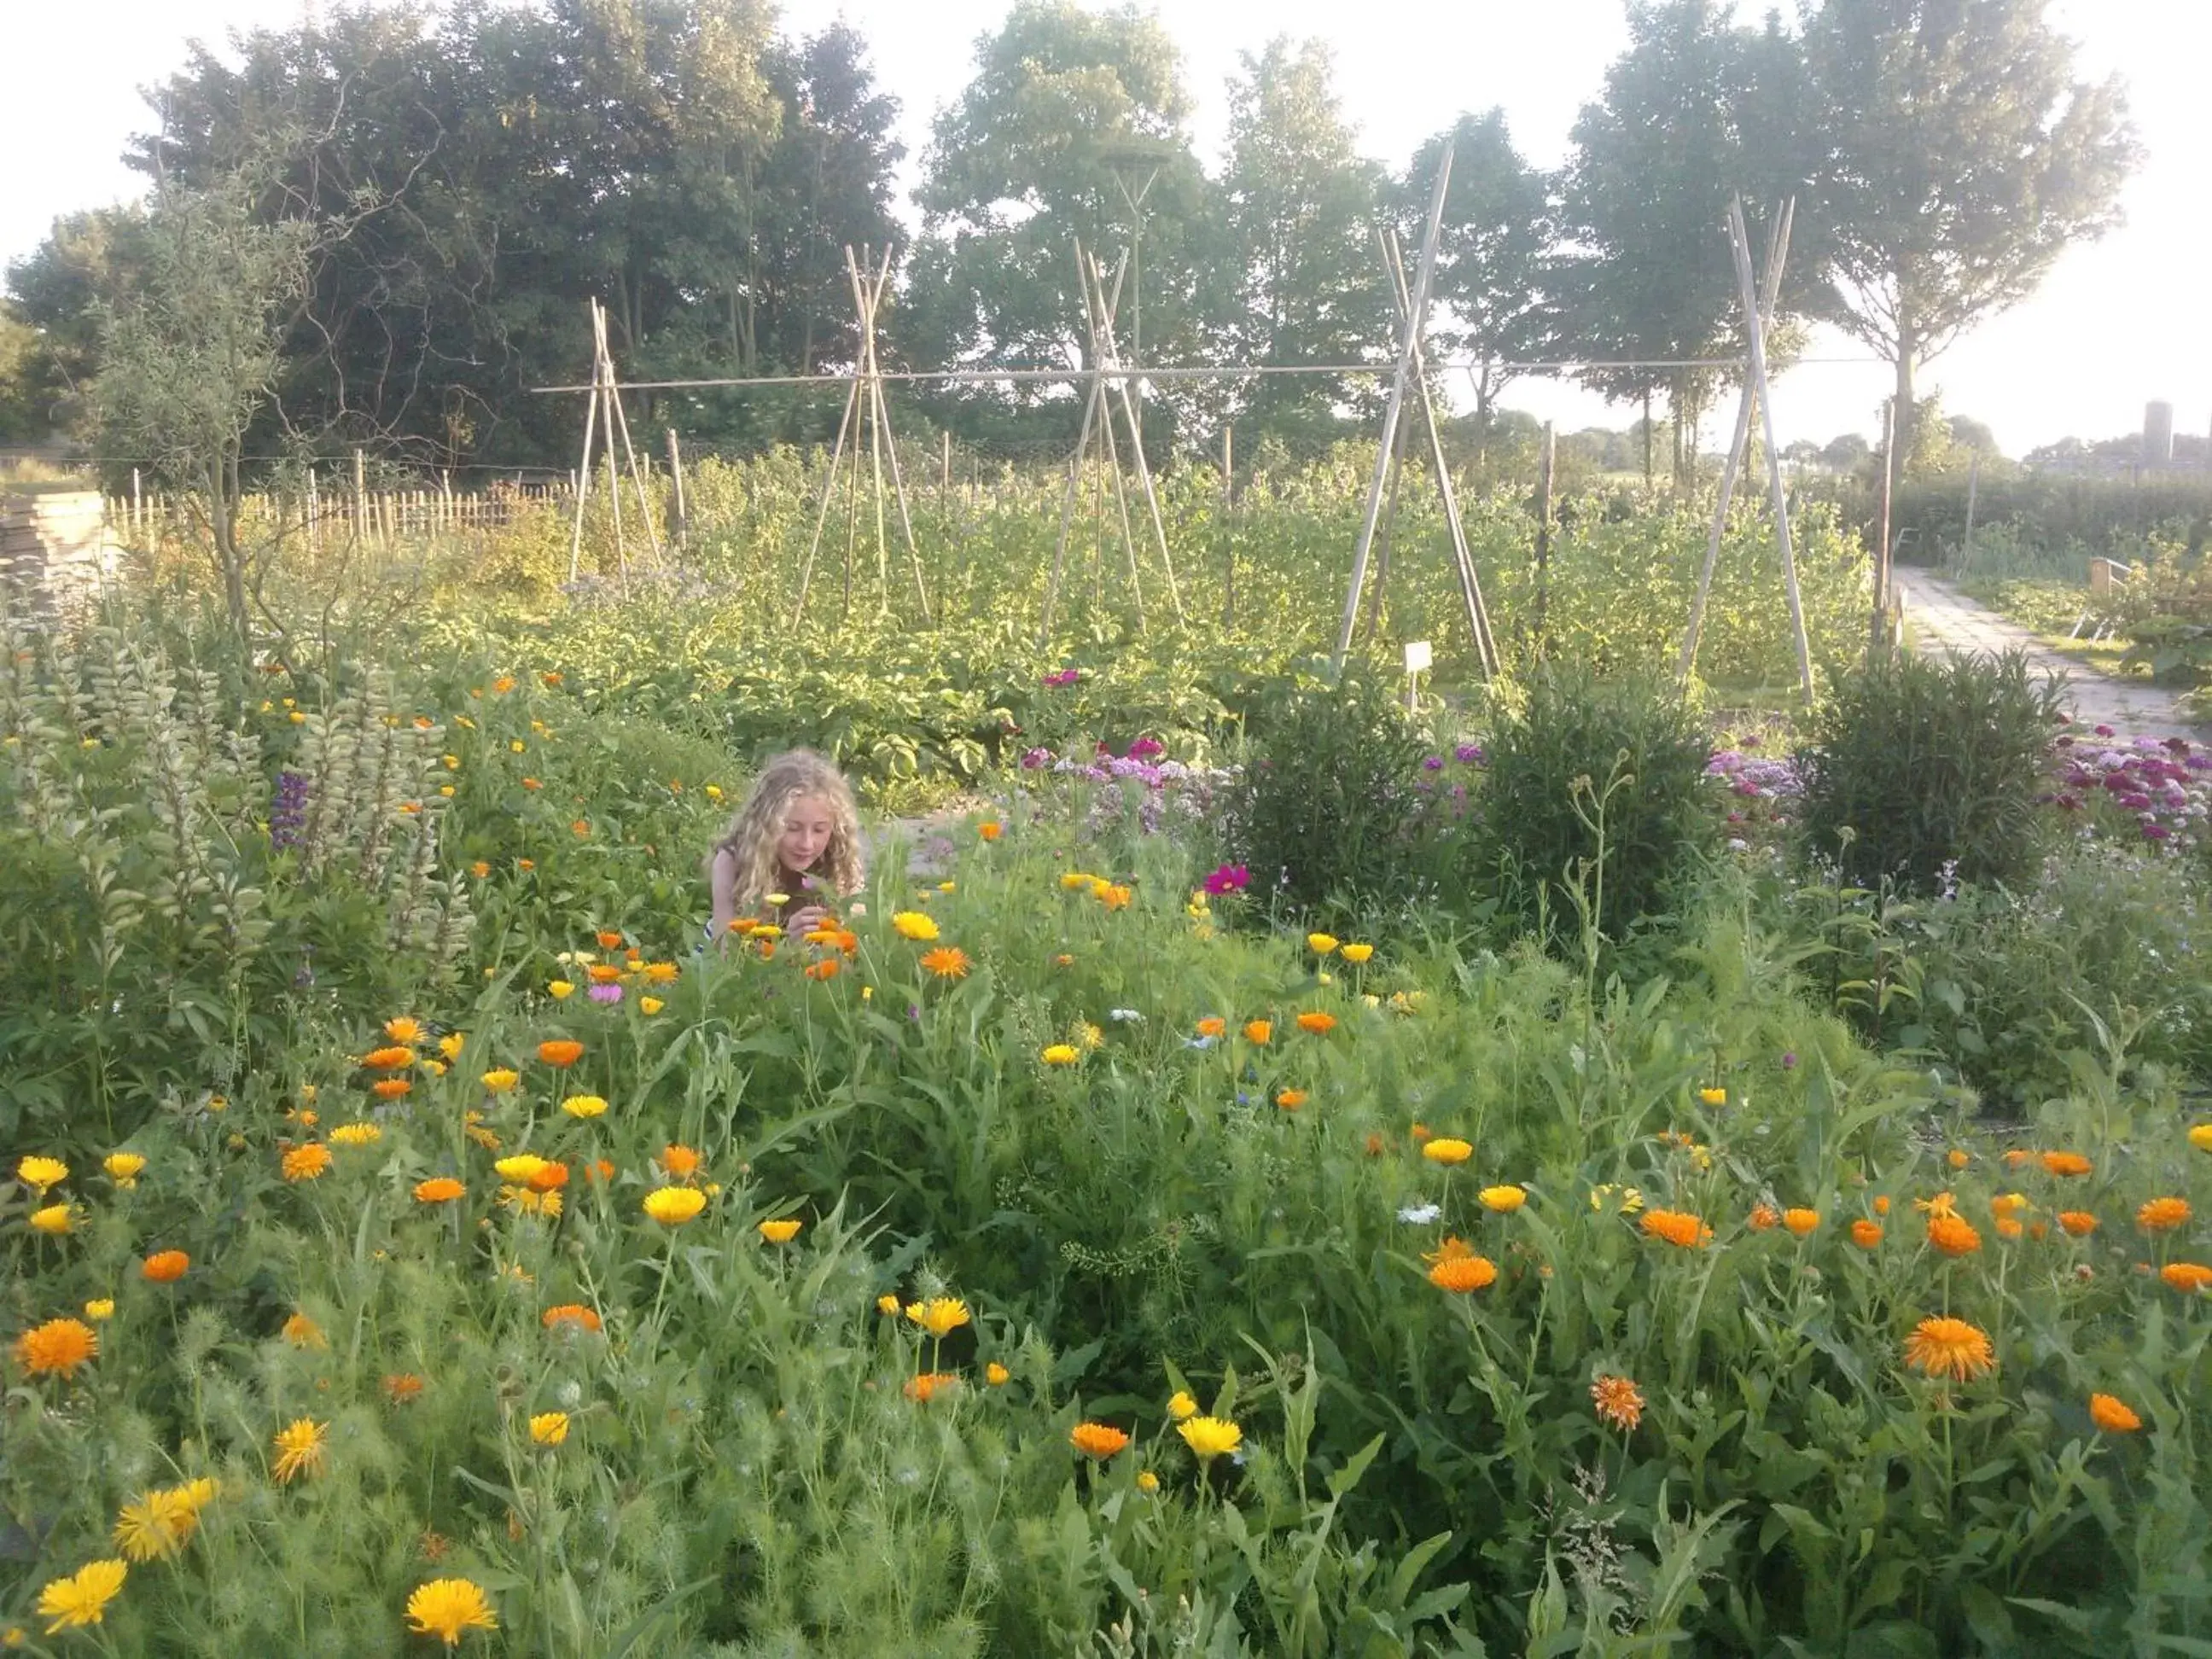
{"type": "Point", "coordinates": [722, 881]}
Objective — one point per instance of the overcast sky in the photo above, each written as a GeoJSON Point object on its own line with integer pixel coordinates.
{"type": "Point", "coordinates": [2118, 323]}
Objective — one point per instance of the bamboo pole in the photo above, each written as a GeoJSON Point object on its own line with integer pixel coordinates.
{"type": "Point", "coordinates": [681, 527]}
{"type": "Point", "coordinates": [1747, 291]}
{"type": "Point", "coordinates": [618, 419]}
{"type": "Point", "coordinates": [1392, 412]}
{"type": "Point", "coordinates": [1107, 312]}
{"type": "Point", "coordinates": [584, 468]}
{"type": "Point", "coordinates": [1542, 606]}
{"type": "Point", "coordinates": [1878, 631]}
{"type": "Point", "coordinates": [1228, 527]}
{"type": "Point", "coordinates": [828, 485]}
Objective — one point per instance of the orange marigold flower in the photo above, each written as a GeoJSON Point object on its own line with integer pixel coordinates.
{"type": "Point", "coordinates": [990, 829]}
{"type": "Point", "coordinates": [2017, 1156]}
{"type": "Point", "coordinates": [1866, 1234]}
{"type": "Point", "coordinates": [2009, 1204]}
{"type": "Point", "coordinates": [929, 1384]}
{"type": "Point", "coordinates": [165, 1267]}
{"type": "Point", "coordinates": [1952, 1234]}
{"type": "Point", "coordinates": [390, 1088]}
{"type": "Point", "coordinates": [561, 1052]}
{"type": "Point", "coordinates": [1261, 1031]}
{"type": "Point", "coordinates": [828, 968]}
{"type": "Point", "coordinates": [438, 1189]}
{"type": "Point", "coordinates": [302, 1332]}
{"type": "Point", "coordinates": [2190, 1277]}
{"type": "Point", "coordinates": [2009, 1226]}
{"type": "Point", "coordinates": [609, 939]}
{"type": "Point", "coordinates": [1958, 1158]}
{"type": "Point", "coordinates": [1212, 1026]}
{"type": "Point", "coordinates": [1098, 1440]}
{"type": "Point", "coordinates": [388, 1059]}
{"type": "Point", "coordinates": [400, 1386]}
{"type": "Point", "coordinates": [1314, 1020]}
{"type": "Point", "coordinates": [1678, 1227]}
{"type": "Point", "coordinates": [307, 1162]}
{"type": "Point", "coordinates": [1290, 1099]}
{"type": "Point", "coordinates": [2163, 1215]}
{"type": "Point", "coordinates": [2111, 1415]}
{"type": "Point", "coordinates": [2066, 1163]}
{"type": "Point", "coordinates": [679, 1161]}
{"type": "Point", "coordinates": [602, 973]}
{"type": "Point", "coordinates": [2078, 1224]}
{"type": "Point", "coordinates": [1764, 1216]}
{"type": "Point", "coordinates": [569, 1313]}
{"type": "Point", "coordinates": [946, 962]}
{"type": "Point", "coordinates": [56, 1348]}
{"type": "Point", "coordinates": [1375, 1144]}
{"type": "Point", "coordinates": [1881, 1204]}
{"type": "Point", "coordinates": [1800, 1222]}
{"type": "Point", "coordinates": [1949, 1348]}
{"type": "Point", "coordinates": [1618, 1401]}
{"type": "Point", "coordinates": [1461, 1274]}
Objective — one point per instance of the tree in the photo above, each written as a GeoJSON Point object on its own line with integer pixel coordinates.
{"type": "Point", "coordinates": [1693, 114]}
{"type": "Point", "coordinates": [1301, 211]}
{"type": "Point", "coordinates": [190, 353]}
{"type": "Point", "coordinates": [1959, 157]}
{"type": "Point", "coordinates": [1491, 251]}
{"type": "Point", "coordinates": [1073, 130]}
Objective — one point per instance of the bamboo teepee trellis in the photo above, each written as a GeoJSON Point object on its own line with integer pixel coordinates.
{"type": "Point", "coordinates": [604, 420]}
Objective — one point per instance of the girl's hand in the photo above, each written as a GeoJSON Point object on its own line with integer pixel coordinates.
{"type": "Point", "coordinates": [805, 921]}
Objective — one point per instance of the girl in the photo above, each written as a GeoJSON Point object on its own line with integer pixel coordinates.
{"type": "Point", "coordinates": [798, 835]}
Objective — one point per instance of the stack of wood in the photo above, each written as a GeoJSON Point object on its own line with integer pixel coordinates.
{"type": "Point", "coordinates": [56, 553]}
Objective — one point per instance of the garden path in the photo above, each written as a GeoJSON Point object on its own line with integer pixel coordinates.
{"type": "Point", "coordinates": [1942, 619]}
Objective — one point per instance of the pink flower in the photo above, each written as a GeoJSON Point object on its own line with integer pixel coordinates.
{"type": "Point", "coordinates": [1229, 878]}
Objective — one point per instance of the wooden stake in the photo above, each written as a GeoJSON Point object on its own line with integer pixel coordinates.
{"type": "Point", "coordinates": [828, 485]}
{"type": "Point", "coordinates": [1973, 481]}
{"type": "Point", "coordinates": [1878, 634]}
{"type": "Point", "coordinates": [1228, 527]}
{"type": "Point", "coordinates": [583, 467]}
{"type": "Point", "coordinates": [681, 526]}
{"type": "Point", "coordinates": [1544, 537]}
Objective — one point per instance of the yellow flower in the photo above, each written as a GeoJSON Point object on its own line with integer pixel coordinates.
{"type": "Point", "coordinates": [996, 1374]}
{"type": "Point", "coordinates": [100, 1307]}
{"type": "Point", "coordinates": [1210, 1436]}
{"type": "Point", "coordinates": [451, 1043]}
{"type": "Point", "coordinates": [650, 1006]}
{"type": "Point", "coordinates": [1076, 880]}
{"type": "Point", "coordinates": [549, 1428]}
{"type": "Point", "coordinates": [1949, 1348]}
{"type": "Point", "coordinates": [584, 1106]}
{"type": "Point", "coordinates": [308, 1162]}
{"type": "Point", "coordinates": [54, 1220]}
{"type": "Point", "coordinates": [356, 1134]}
{"type": "Point", "coordinates": [2200, 1137]}
{"type": "Point", "coordinates": [1618, 1401]}
{"type": "Point", "coordinates": [1320, 944]}
{"type": "Point", "coordinates": [56, 1348]}
{"type": "Point", "coordinates": [1503, 1199]}
{"type": "Point", "coordinates": [1180, 1407]}
{"type": "Point", "coordinates": [1356, 954]}
{"type": "Point", "coordinates": [887, 1303]}
{"type": "Point", "coordinates": [123, 1169]}
{"type": "Point", "coordinates": [913, 925]}
{"type": "Point", "coordinates": [83, 1597]}
{"type": "Point", "coordinates": [560, 989]}
{"type": "Point", "coordinates": [1148, 1481]}
{"type": "Point", "coordinates": [1060, 1053]}
{"type": "Point", "coordinates": [1088, 1035]}
{"type": "Point", "coordinates": [1444, 1148]}
{"type": "Point", "coordinates": [1800, 1222]}
{"type": "Point", "coordinates": [161, 1523]}
{"type": "Point", "coordinates": [673, 1207]}
{"type": "Point", "coordinates": [1713, 1096]}
{"type": "Point", "coordinates": [41, 1172]}
{"type": "Point", "coordinates": [302, 1332]}
{"type": "Point", "coordinates": [301, 1449]}
{"type": "Point", "coordinates": [941, 1315]}
{"type": "Point", "coordinates": [445, 1608]}
{"type": "Point", "coordinates": [782, 1231]}
{"type": "Point", "coordinates": [501, 1080]}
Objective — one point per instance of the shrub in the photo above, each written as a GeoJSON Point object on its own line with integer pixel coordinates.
{"type": "Point", "coordinates": [1326, 807]}
{"type": "Point", "coordinates": [1629, 743]}
{"type": "Point", "coordinates": [1933, 767]}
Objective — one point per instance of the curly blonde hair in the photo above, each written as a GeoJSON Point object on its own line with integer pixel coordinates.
{"type": "Point", "coordinates": [750, 840]}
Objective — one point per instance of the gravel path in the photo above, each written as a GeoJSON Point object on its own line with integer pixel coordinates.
{"type": "Point", "coordinates": [1943, 619]}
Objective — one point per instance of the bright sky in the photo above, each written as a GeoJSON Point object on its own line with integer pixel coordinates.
{"type": "Point", "coordinates": [2118, 323]}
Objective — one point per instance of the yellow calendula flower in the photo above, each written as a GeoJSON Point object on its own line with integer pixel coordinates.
{"type": "Point", "coordinates": [501, 1080]}
{"type": "Point", "coordinates": [123, 1169]}
{"type": "Point", "coordinates": [41, 1173]}
{"type": "Point", "coordinates": [356, 1134]}
{"type": "Point", "coordinates": [584, 1106]}
{"type": "Point", "coordinates": [560, 989]}
{"type": "Point", "coordinates": [1180, 1407]}
{"type": "Point", "coordinates": [997, 1374]}
{"type": "Point", "coordinates": [887, 1303]}
{"type": "Point", "coordinates": [100, 1307]}
{"type": "Point", "coordinates": [1148, 1481]}
{"type": "Point", "coordinates": [1320, 944]}
{"type": "Point", "coordinates": [650, 1006]}
{"type": "Point", "coordinates": [940, 1316]}
{"type": "Point", "coordinates": [549, 1428]}
{"type": "Point", "coordinates": [671, 1206]}
{"type": "Point", "coordinates": [301, 1449]}
{"type": "Point", "coordinates": [451, 1043]}
{"type": "Point", "coordinates": [1210, 1436]}
{"type": "Point", "coordinates": [1503, 1199]}
{"type": "Point", "coordinates": [914, 924]}
{"type": "Point", "coordinates": [448, 1607]}
{"type": "Point", "coordinates": [1060, 1053]}
{"type": "Point", "coordinates": [1447, 1148]}
{"type": "Point", "coordinates": [82, 1598]}
{"type": "Point", "coordinates": [53, 1220]}
{"type": "Point", "coordinates": [1713, 1096]}
{"type": "Point", "coordinates": [781, 1231]}
{"type": "Point", "coordinates": [1356, 954]}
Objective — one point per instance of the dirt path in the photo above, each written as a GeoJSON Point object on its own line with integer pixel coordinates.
{"type": "Point", "coordinates": [1943, 619]}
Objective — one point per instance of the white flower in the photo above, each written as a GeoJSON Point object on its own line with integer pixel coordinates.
{"type": "Point", "coordinates": [1126, 1016]}
{"type": "Point", "coordinates": [1419, 1215]}
{"type": "Point", "coordinates": [1198, 1043]}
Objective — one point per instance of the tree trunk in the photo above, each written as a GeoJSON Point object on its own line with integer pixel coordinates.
{"type": "Point", "coordinates": [1902, 410]}
{"type": "Point", "coordinates": [222, 530]}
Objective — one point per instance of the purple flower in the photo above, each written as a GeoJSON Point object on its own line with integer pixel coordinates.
{"type": "Point", "coordinates": [1433, 763]}
{"type": "Point", "coordinates": [1065, 677]}
{"type": "Point", "coordinates": [1145, 747]}
{"type": "Point", "coordinates": [1229, 878]}
{"type": "Point", "coordinates": [1789, 1059]}
{"type": "Point", "coordinates": [1036, 760]}
{"type": "Point", "coordinates": [2104, 731]}
{"type": "Point", "coordinates": [287, 814]}
{"type": "Point", "coordinates": [2155, 832]}
{"type": "Point", "coordinates": [1468, 754]}
{"type": "Point", "coordinates": [604, 994]}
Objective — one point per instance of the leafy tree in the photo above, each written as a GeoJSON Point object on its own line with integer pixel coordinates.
{"type": "Point", "coordinates": [1073, 130]}
{"type": "Point", "coordinates": [1959, 157]}
{"type": "Point", "coordinates": [54, 289]}
{"type": "Point", "coordinates": [22, 412]}
{"type": "Point", "coordinates": [1846, 451]}
{"type": "Point", "coordinates": [1693, 114]}
{"type": "Point", "coordinates": [1492, 251]}
{"type": "Point", "coordinates": [1301, 210]}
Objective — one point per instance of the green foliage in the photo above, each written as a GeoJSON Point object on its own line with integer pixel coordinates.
{"type": "Point", "coordinates": [1324, 810]}
{"type": "Point", "coordinates": [1921, 770]}
{"type": "Point", "coordinates": [1594, 783]}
